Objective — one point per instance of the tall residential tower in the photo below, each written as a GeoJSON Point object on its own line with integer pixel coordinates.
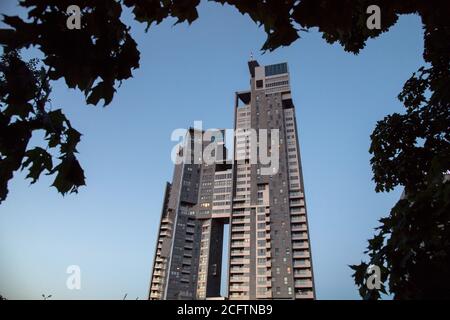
{"type": "Point", "coordinates": [263, 203]}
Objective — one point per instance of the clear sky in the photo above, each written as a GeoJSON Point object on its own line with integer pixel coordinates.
{"type": "Point", "coordinates": [190, 73]}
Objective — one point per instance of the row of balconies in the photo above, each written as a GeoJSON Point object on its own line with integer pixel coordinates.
{"type": "Point", "coordinates": [297, 211]}
{"type": "Point", "coordinates": [165, 233]}
{"type": "Point", "coordinates": [239, 261]}
{"type": "Point", "coordinates": [240, 220]}
{"type": "Point", "coordinates": [298, 219]}
{"type": "Point", "coordinates": [240, 228]}
{"type": "Point", "coordinates": [238, 296]}
{"type": "Point", "coordinates": [302, 273]}
{"type": "Point", "coordinates": [240, 235]}
{"type": "Point", "coordinates": [297, 203]}
{"type": "Point", "coordinates": [190, 224]}
{"type": "Point", "coordinates": [166, 220]}
{"type": "Point", "coordinates": [301, 254]}
{"type": "Point", "coordinates": [239, 288]}
{"type": "Point", "coordinates": [303, 283]}
{"type": "Point", "coordinates": [240, 213]}
{"type": "Point", "coordinates": [240, 252]}
{"type": "Point", "coordinates": [299, 236]}
{"type": "Point", "coordinates": [158, 273]}
{"type": "Point", "coordinates": [239, 244]}
{"type": "Point", "coordinates": [155, 295]}
{"type": "Point", "coordinates": [296, 194]}
{"type": "Point", "coordinates": [300, 245]}
{"type": "Point", "coordinates": [159, 266]}
{"type": "Point", "coordinates": [299, 227]}
{"type": "Point", "coordinates": [156, 287]}
{"type": "Point", "coordinates": [166, 226]}
{"type": "Point", "coordinates": [239, 279]}
{"type": "Point", "coordinates": [156, 280]}
{"type": "Point", "coordinates": [239, 270]}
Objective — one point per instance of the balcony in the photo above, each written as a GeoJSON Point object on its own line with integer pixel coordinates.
{"type": "Point", "coordinates": [165, 233]}
{"type": "Point", "coordinates": [240, 288]}
{"type": "Point", "coordinates": [299, 227]}
{"type": "Point", "coordinates": [156, 287]}
{"type": "Point", "coordinates": [303, 283]}
{"type": "Point", "coordinates": [238, 279]}
{"type": "Point", "coordinates": [238, 296]}
{"type": "Point", "coordinates": [302, 263]}
{"type": "Point", "coordinates": [239, 270]}
{"type": "Point", "coordinates": [240, 252]}
{"type": "Point", "coordinates": [303, 273]}
{"type": "Point", "coordinates": [184, 280]}
{"type": "Point", "coordinates": [300, 245]}
{"type": "Point", "coordinates": [267, 295]}
{"type": "Point", "coordinates": [187, 262]}
{"type": "Point", "coordinates": [297, 203]}
{"type": "Point", "coordinates": [298, 219]}
{"type": "Point", "coordinates": [190, 224]}
{"type": "Point", "coordinates": [297, 211]}
{"type": "Point", "coordinates": [300, 236]}
{"type": "Point", "coordinates": [239, 261]}
{"type": "Point", "coordinates": [300, 255]}
{"type": "Point", "coordinates": [185, 270]}
{"type": "Point", "coordinates": [238, 244]}
{"type": "Point", "coordinates": [296, 194]}
{"type": "Point", "coordinates": [158, 273]}
{"type": "Point", "coordinates": [155, 295]}
{"type": "Point", "coordinates": [240, 221]}
{"type": "Point", "coordinates": [166, 226]}
{"type": "Point", "coordinates": [240, 235]}
{"type": "Point", "coordinates": [238, 229]}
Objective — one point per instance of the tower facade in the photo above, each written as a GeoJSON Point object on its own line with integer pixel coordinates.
{"type": "Point", "coordinates": [259, 194]}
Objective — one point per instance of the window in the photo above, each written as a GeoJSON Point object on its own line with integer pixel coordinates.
{"type": "Point", "coordinates": [259, 83]}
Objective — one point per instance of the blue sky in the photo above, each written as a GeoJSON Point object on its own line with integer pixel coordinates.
{"type": "Point", "coordinates": [190, 73]}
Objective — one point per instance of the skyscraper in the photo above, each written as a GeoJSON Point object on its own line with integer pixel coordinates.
{"type": "Point", "coordinates": [260, 198]}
